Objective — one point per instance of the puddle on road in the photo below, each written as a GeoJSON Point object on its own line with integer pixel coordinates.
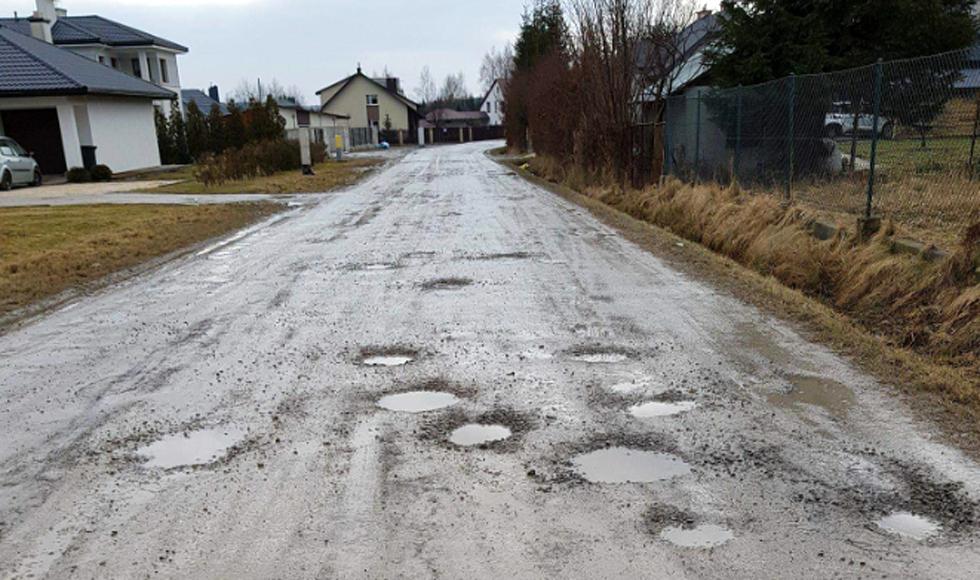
{"type": "Point", "coordinates": [819, 391]}
{"type": "Point", "coordinates": [446, 284]}
{"type": "Point", "coordinates": [661, 409]}
{"type": "Point", "coordinates": [601, 358]}
{"type": "Point", "coordinates": [909, 525]}
{"type": "Point", "coordinates": [418, 401]}
{"type": "Point", "coordinates": [379, 267]}
{"type": "Point", "coordinates": [469, 435]}
{"type": "Point", "coordinates": [191, 448]}
{"type": "Point", "coordinates": [392, 360]}
{"type": "Point", "coordinates": [623, 465]}
{"type": "Point", "coordinates": [703, 536]}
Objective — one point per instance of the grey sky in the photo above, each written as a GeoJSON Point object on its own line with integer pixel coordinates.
{"type": "Point", "coordinates": [313, 43]}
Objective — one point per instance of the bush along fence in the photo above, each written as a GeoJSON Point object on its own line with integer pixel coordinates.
{"type": "Point", "coordinates": [896, 139]}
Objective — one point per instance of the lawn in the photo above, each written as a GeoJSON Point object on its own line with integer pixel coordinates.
{"type": "Point", "coordinates": [47, 250]}
{"type": "Point", "coordinates": [940, 155]}
{"type": "Point", "coordinates": [329, 175]}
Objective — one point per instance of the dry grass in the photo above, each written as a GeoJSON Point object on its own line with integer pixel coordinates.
{"type": "Point", "coordinates": [47, 250]}
{"type": "Point", "coordinates": [329, 175]}
{"type": "Point", "coordinates": [932, 310]}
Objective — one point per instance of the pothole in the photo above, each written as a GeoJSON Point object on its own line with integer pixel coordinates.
{"type": "Point", "coordinates": [475, 434]}
{"type": "Point", "coordinates": [624, 465]}
{"type": "Point", "coordinates": [418, 401]}
{"type": "Point", "coordinates": [909, 525]}
{"type": "Point", "coordinates": [598, 354]}
{"type": "Point", "coordinates": [703, 536]}
{"type": "Point", "coordinates": [387, 357]}
{"type": "Point", "coordinates": [446, 284]}
{"type": "Point", "coordinates": [836, 398]}
{"type": "Point", "coordinates": [191, 448]}
{"type": "Point", "coordinates": [661, 409]}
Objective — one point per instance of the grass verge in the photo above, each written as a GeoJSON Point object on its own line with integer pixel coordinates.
{"type": "Point", "coordinates": [47, 250]}
{"type": "Point", "coordinates": [329, 175]}
{"type": "Point", "coordinates": [772, 241]}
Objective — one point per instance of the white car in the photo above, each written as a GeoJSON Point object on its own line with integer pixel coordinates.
{"type": "Point", "coordinates": [17, 167]}
{"type": "Point", "coordinates": [840, 122]}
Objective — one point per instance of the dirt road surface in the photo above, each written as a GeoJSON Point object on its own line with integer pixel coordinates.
{"type": "Point", "coordinates": [220, 418]}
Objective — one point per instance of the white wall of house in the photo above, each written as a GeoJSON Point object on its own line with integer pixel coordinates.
{"type": "Point", "coordinates": [124, 132]}
{"type": "Point", "coordinates": [151, 67]}
{"type": "Point", "coordinates": [493, 105]}
{"type": "Point", "coordinates": [121, 129]}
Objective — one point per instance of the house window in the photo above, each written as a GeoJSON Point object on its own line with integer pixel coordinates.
{"type": "Point", "coordinates": [101, 60]}
{"type": "Point", "coordinates": [489, 107]}
{"type": "Point", "coordinates": [164, 73]}
{"type": "Point", "coordinates": [372, 99]}
{"type": "Point", "coordinates": [115, 62]}
{"type": "Point", "coordinates": [137, 70]}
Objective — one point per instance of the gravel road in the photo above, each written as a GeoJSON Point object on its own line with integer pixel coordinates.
{"type": "Point", "coordinates": [236, 413]}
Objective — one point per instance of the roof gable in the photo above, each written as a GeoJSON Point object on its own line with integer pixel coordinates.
{"type": "Point", "coordinates": [341, 85]}
{"type": "Point", "coordinates": [30, 67]}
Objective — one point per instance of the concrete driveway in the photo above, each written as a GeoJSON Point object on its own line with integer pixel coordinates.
{"type": "Point", "coordinates": [111, 193]}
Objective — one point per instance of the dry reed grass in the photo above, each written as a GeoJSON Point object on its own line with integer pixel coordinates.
{"type": "Point", "coordinates": [933, 308]}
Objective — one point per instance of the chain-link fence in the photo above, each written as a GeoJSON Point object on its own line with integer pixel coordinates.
{"type": "Point", "coordinates": [896, 139]}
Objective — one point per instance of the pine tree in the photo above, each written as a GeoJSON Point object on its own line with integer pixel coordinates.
{"type": "Point", "coordinates": [197, 132]}
{"type": "Point", "coordinates": [234, 128]}
{"type": "Point", "coordinates": [164, 140]}
{"type": "Point", "coordinates": [178, 134]}
{"type": "Point", "coordinates": [216, 131]}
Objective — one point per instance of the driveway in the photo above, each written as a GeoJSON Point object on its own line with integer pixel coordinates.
{"type": "Point", "coordinates": [247, 412]}
{"type": "Point", "coordinates": [111, 193]}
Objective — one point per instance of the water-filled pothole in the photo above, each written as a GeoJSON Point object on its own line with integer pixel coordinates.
{"type": "Point", "coordinates": [601, 357]}
{"type": "Point", "coordinates": [446, 284]}
{"type": "Point", "coordinates": [661, 409]}
{"type": "Point", "coordinates": [387, 360]}
{"type": "Point", "coordinates": [418, 401]}
{"type": "Point", "coordinates": [703, 536]}
{"type": "Point", "coordinates": [909, 525]}
{"type": "Point", "coordinates": [192, 448]}
{"type": "Point", "coordinates": [475, 434]}
{"type": "Point", "coordinates": [836, 398]}
{"type": "Point", "coordinates": [624, 465]}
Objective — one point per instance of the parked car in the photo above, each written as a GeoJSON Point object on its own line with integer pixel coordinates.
{"type": "Point", "coordinates": [840, 122]}
{"type": "Point", "coordinates": [17, 166]}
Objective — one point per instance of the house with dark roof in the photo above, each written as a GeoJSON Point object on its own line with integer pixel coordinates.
{"type": "Point", "coordinates": [369, 104]}
{"type": "Point", "coordinates": [71, 111]}
{"type": "Point", "coordinates": [204, 101]}
{"type": "Point", "coordinates": [493, 103]}
{"type": "Point", "coordinates": [109, 43]}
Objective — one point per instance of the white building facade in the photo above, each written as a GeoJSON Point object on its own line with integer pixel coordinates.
{"type": "Point", "coordinates": [493, 103]}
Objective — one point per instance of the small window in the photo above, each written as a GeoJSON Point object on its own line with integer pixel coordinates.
{"type": "Point", "coordinates": [101, 60]}
{"type": "Point", "coordinates": [115, 62]}
{"type": "Point", "coordinates": [372, 99]}
{"type": "Point", "coordinates": [164, 73]}
{"type": "Point", "coordinates": [137, 70]}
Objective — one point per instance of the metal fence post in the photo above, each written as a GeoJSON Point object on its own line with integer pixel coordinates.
{"type": "Point", "coordinates": [973, 139]}
{"type": "Point", "coordinates": [738, 132]}
{"type": "Point", "coordinates": [667, 128]}
{"type": "Point", "coordinates": [790, 143]}
{"type": "Point", "coordinates": [697, 143]}
{"type": "Point", "coordinates": [874, 137]}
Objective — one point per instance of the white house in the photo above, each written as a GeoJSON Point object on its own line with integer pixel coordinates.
{"type": "Point", "coordinates": [71, 111]}
{"type": "Point", "coordinates": [493, 103]}
{"type": "Point", "coordinates": [324, 126]}
{"type": "Point", "coordinates": [109, 43]}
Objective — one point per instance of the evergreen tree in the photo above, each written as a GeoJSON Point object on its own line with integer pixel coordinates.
{"type": "Point", "coordinates": [234, 127]}
{"type": "Point", "coordinates": [178, 134]}
{"type": "Point", "coordinates": [164, 137]}
{"type": "Point", "coordinates": [197, 132]}
{"type": "Point", "coordinates": [216, 131]}
{"type": "Point", "coordinates": [763, 40]}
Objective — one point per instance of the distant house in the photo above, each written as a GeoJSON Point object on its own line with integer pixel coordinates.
{"type": "Point", "coordinates": [71, 111]}
{"type": "Point", "coordinates": [108, 43]}
{"type": "Point", "coordinates": [323, 125]}
{"type": "Point", "coordinates": [204, 101]}
{"type": "Point", "coordinates": [493, 103]}
{"type": "Point", "coordinates": [369, 104]}
{"type": "Point", "coordinates": [450, 119]}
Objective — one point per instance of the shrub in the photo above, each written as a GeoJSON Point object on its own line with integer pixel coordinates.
{"type": "Point", "coordinates": [252, 160]}
{"type": "Point", "coordinates": [79, 175]}
{"type": "Point", "coordinates": [318, 152]}
{"type": "Point", "coordinates": [101, 173]}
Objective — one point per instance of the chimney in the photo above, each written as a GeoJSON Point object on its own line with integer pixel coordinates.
{"type": "Point", "coordinates": [41, 28]}
{"type": "Point", "coordinates": [48, 11]}
{"type": "Point", "coordinates": [213, 93]}
{"type": "Point", "coordinates": [703, 13]}
{"type": "Point", "coordinates": [392, 85]}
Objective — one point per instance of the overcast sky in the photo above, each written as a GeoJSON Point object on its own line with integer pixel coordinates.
{"type": "Point", "coordinates": [313, 43]}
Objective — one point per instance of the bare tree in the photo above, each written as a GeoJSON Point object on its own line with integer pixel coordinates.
{"type": "Point", "coordinates": [496, 66]}
{"type": "Point", "coordinates": [247, 90]}
{"type": "Point", "coordinates": [453, 90]}
{"type": "Point", "coordinates": [426, 92]}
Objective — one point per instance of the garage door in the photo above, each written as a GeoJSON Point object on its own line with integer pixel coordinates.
{"type": "Point", "coordinates": [37, 130]}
